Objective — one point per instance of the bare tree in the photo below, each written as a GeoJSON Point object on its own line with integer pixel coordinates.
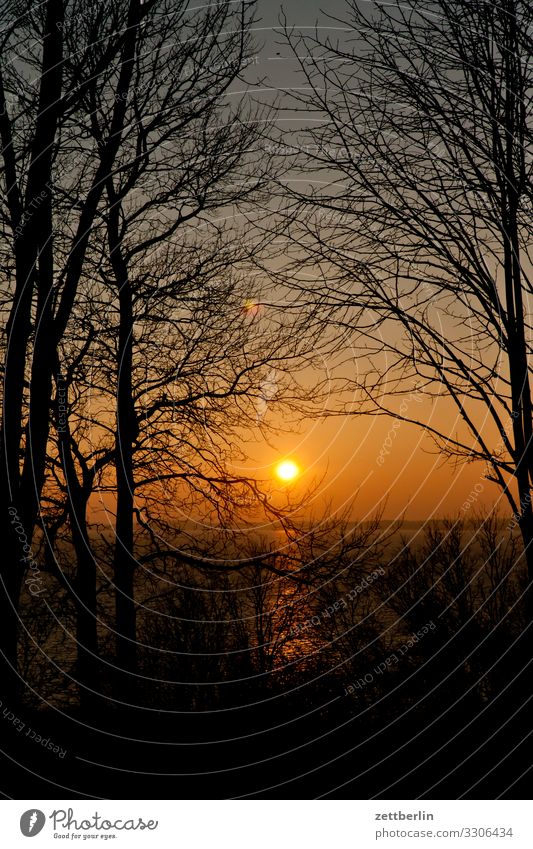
{"type": "Point", "coordinates": [164, 358]}
{"type": "Point", "coordinates": [59, 45]}
{"type": "Point", "coordinates": [181, 162]}
{"type": "Point", "coordinates": [128, 139]}
{"type": "Point", "coordinates": [416, 228]}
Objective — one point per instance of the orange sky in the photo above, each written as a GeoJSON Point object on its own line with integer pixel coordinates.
{"type": "Point", "coordinates": [340, 458]}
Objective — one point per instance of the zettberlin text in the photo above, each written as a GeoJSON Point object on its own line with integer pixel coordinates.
{"type": "Point", "coordinates": [399, 815]}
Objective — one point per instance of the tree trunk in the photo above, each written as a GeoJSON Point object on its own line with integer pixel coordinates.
{"type": "Point", "coordinates": [126, 433]}
{"type": "Point", "coordinates": [24, 492]}
{"type": "Point", "coordinates": [10, 586]}
{"type": "Point", "coordinates": [85, 584]}
{"type": "Point", "coordinates": [124, 560]}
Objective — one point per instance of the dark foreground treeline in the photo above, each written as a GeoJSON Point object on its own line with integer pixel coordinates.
{"type": "Point", "coordinates": [369, 666]}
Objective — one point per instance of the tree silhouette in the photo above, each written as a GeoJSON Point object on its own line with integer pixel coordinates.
{"type": "Point", "coordinates": [131, 141]}
{"type": "Point", "coordinates": [416, 227]}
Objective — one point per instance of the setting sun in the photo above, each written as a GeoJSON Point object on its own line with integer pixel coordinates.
{"type": "Point", "coordinates": [287, 470]}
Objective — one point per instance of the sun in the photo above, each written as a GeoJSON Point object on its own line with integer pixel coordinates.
{"type": "Point", "coordinates": [287, 470]}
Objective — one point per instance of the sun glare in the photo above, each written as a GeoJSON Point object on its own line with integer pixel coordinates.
{"type": "Point", "coordinates": [287, 470]}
